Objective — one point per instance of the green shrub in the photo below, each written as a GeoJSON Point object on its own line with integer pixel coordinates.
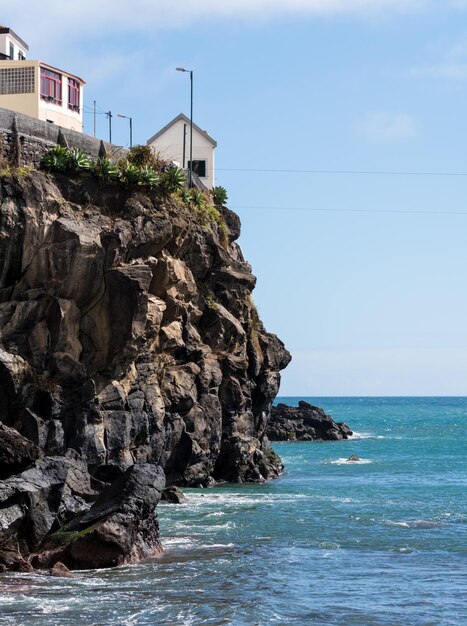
{"type": "Point", "coordinates": [105, 169]}
{"type": "Point", "coordinates": [129, 173]}
{"type": "Point", "coordinates": [78, 160]}
{"type": "Point", "coordinates": [141, 156]}
{"type": "Point", "coordinates": [219, 196]}
{"type": "Point", "coordinates": [148, 176]}
{"type": "Point", "coordinates": [57, 159]}
{"type": "Point", "coordinates": [172, 180]}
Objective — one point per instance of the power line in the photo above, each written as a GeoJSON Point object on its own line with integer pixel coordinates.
{"type": "Point", "coordinates": [345, 172]}
{"type": "Point", "coordinates": [377, 211]}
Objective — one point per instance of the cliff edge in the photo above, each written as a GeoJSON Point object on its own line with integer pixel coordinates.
{"type": "Point", "coordinates": [128, 336]}
{"type": "Point", "coordinates": [128, 332]}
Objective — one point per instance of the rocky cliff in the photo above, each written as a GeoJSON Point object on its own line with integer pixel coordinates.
{"type": "Point", "coordinates": [304, 422]}
{"type": "Point", "coordinates": [128, 332]}
{"type": "Point", "coordinates": [128, 337]}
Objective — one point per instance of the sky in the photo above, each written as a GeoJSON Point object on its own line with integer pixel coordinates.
{"type": "Point", "coordinates": [342, 142]}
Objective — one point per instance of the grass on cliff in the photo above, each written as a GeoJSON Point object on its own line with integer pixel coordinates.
{"type": "Point", "coordinates": [140, 168]}
{"type": "Point", "coordinates": [206, 214]}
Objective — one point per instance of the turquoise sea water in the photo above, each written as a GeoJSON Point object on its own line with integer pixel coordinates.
{"type": "Point", "coordinates": [382, 542]}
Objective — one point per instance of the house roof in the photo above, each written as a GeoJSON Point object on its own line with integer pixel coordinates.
{"type": "Point", "coordinates": [56, 69]}
{"type": "Point", "coordinates": [185, 119]}
{"type": "Point", "coordinates": [4, 30]}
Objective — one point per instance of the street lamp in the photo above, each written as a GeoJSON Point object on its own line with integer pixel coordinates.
{"type": "Point", "coordinates": [190, 169]}
{"type": "Point", "coordinates": [131, 127]}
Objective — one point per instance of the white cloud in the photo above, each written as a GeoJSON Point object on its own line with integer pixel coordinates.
{"type": "Point", "coordinates": [450, 71]}
{"type": "Point", "coordinates": [119, 15]}
{"type": "Point", "coordinates": [378, 126]}
{"type": "Point", "coordinates": [453, 65]}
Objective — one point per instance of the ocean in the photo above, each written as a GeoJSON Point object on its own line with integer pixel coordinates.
{"type": "Point", "coordinates": [379, 542]}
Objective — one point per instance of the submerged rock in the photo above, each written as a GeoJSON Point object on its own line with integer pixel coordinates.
{"type": "Point", "coordinates": [173, 494]}
{"type": "Point", "coordinates": [60, 570]}
{"type": "Point", "coordinates": [304, 423]}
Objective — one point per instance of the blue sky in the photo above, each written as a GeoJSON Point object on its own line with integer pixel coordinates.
{"type": "Point", "coordinates": [366, 282]}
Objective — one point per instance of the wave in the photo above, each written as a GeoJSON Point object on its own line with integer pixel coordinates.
{"type": "Point", "coordinates": [365, 436]}
{"type": "Point", "coordinates": [176, 541]}
{"type": "Point", "coordinates": [345, 461]}
{"type": "Point", "coordinates": [328, 545]}
{"type": "Point", "coordinates": [234, 500]}
{"type": "Point", "coordinates": [418, 523]}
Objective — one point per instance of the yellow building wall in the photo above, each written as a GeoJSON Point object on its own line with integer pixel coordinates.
{"type": "Point", "coordinates": [27, 103]}
{"type": "Point", "coordinates": [32, 104]}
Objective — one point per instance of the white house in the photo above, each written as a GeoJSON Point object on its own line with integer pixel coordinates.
{"type": "Point", "coordinates": [12, 47]}
{"type": "Point", "coordinates": [36, 88]}
{"type": "Point", "coordinates": [173, 144]}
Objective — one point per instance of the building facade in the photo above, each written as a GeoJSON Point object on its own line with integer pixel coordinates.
{"type": "Point", "coordinates": [172, 142]}
{"type": "Point", "coordinates": [12, 47]}
{"type": "Point", "coordinates": [36, 88]}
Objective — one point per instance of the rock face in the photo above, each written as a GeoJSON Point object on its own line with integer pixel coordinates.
{"type": "Point", "coordinates": [128, 338]}
{"type": "Point", "coordinates": [16, 452]}
{"type": "Point", "coordinates": [120, 527]}
{"type": "Point", "coordinates": [304, 423]}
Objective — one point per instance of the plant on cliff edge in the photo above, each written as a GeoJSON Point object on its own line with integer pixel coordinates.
{"type": "Point", "coordinates": [144, 156]}
{"type": "Point", "coordinates": [172, 180]}
{"type": "Point", "coordinates": [57, 159]}
{"type": "Point", "coordinates": [219, 196]}
{"type": "Point", "coordinates": [128, 173]}
{"type": "Point", "coordinates": [78, 160]}
{"type": "Point", "coordinates": [105, 169]}
{"type": "Point", "coordinates": [148, 176]}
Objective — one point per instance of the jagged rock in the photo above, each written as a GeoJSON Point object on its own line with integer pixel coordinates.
{"type": "Point", "coordinates": [108, 334]}
{"type": "Point", "coordinates": [173, 494]}
{"type": "Point", "coordinates": [304, 423]}
{"type": "Point", "coordinates": [127, 335]}
{"type": "Point", "coordinates": [16, 452]}
{"type": "Point", "coordinates": [120, 527]}
{"type": "Point", "coordinates": [354, 458]}
{"type": "Point", "coordinates": [60, 570]}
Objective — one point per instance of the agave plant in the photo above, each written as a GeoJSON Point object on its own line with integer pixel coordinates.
{"type": "Point", "coordinates": [148, 176]}
{"type": "Point", "coordinates": [185, 196]}
{"type": "Point", "coordinates": [57, 159]}
{"type": "Point", "coordinates": [198, 199]}
{"type": "Point", "coordinates": [172, 180]}
{"type": "Point", "coordinates": [129, 173]}
{"type": "Point", "coordinates": [219, 196]}
{"type": "Point", "coordinates": [105, 169]}
{"type": "Point", "coordinates": [78, 160]}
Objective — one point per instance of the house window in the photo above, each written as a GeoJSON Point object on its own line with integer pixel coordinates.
{"type": "Point", "coordinates": [51, 86]}
{"type": "Point", "coordinates": [199, 168]}
{"type": "Point", "coordinates": [73, 94]}
{"type": "Point", "coordinates": [21, 56]}
{"type": "Point", "coordinates": [12, 51]}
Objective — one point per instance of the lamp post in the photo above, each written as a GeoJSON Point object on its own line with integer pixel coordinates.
{"type": "Point", "coordinates": [110, 116]}
{"type": "Point", "coordinates": [127, 117]}
{"type": "Point", "coordinates": [190, 169]}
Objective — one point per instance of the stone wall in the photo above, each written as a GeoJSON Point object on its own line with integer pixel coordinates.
{"type": "Point", "coordinates": [35, 137]}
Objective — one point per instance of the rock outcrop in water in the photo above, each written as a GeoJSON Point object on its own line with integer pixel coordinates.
{"type": "Point", "coordinates": [128, 339]}
{"type": "Point", "coordinates": [304, 423]}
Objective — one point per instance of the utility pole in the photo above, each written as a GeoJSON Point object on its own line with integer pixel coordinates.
{"type": "Point", "coordinates": [184, 145]}
{"type": "Point", "coordinates": [95, 105]}
{"type": "Point", "coordinates": [130, 119]}
{"type": "Point", "coordinates": [191, 129]}
{"type": "Point", "coordinates": [190, 169]}
{"type": "Point", "coordinates": [109, 115]}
